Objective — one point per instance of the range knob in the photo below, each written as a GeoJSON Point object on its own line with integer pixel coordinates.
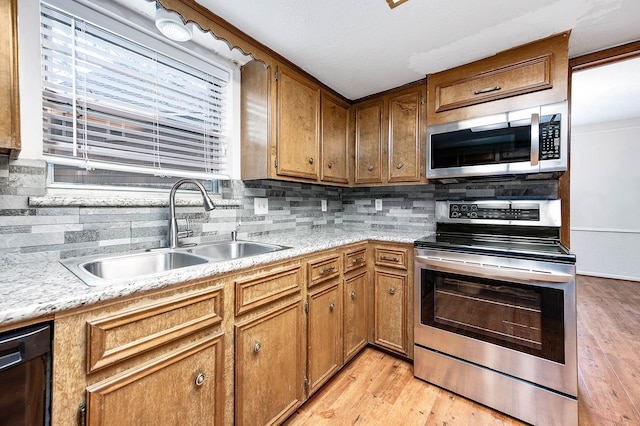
{"type": "Point", "coordinates": [473, 215]}
{"type": "Point", "coordinates": [455, 214]}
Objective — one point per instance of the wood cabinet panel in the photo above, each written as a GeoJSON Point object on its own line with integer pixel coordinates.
{"type": "Point", "coordinates": [269, 366]}
{"type": "Point", "coordinates": [334, 140]}
{"type": "Point", "coordinates": [298, 126]}
{"type": "Point", "coordinates": [368, 155]}
{"type": "Point", "coordinates": [9, 88]}
{"type": "Point", "coordinates": [391, 310]}
{"type": "Point", "coordinates": [117, 337]}
{"type": "Point", "coordinates": [392, 257]}
{"type": "Point", "coordinates": [404, 137]}
{"type": "Point", "coordinates": [255, 291]}
{"type": "Point", "coordinates": [142, 396]}
{"type": "Point", "coordinates": [509, 80]}
{"type": "Point", "coordinates": [355, 259]}
{"type": "Point", "coordinates": [322, 270]}
{"type": "Point", "coordinates": [355, 313]}
{"type": "Point", "coordinates": [324, 354]}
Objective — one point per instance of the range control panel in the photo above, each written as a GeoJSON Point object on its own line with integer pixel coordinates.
{"type": "Point", "coordinates": [493, 212]}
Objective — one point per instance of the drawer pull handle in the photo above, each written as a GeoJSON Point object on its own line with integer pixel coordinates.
{"type": "Point", "coordinates": [327, 270]}
{"type": "Point", "coordinates": [392, 290]}
{"type": "Point", "coordinates": [370, 168]}
{"type": "Point", "coordinates": [358, 259]}
{"type": "Point", "coordinates": [331, 307]}
{"type": "Point", "coordinates": [399, 165]}
{"type": "Point", "coordinates": [256, 347]}
{"type": "Point", "coordinates": [389, 258]}
{"type": "Point", "coordinates": [487, 90]}
{"type": "Point", "coordinates": [330, 165]}
{"type": "Point", "coordinates": [353, 294]}
{"type": "Point", "coordinates": [200, 378]}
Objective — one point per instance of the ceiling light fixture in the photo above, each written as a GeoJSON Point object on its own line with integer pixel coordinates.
{"type": "Point", "coordinates": [394, 3]}
{"type": "Point", "coordinates": [171, 26]}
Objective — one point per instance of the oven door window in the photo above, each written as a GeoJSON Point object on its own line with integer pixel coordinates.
{"type": "Point", "coordinates": [522, 317]}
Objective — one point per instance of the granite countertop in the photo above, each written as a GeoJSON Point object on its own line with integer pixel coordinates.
{"type": "Point", "coordinates": [32, 290]}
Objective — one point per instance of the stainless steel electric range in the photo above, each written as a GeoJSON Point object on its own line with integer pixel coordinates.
{"type": "Point", "coordinates": [495, 308]}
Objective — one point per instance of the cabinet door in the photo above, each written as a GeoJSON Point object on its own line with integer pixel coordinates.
{"type": "Point", "coordinates": [269, 366]}
{"type": "Point", "coordinates": [335, 116]}
{"type": "Point", "coordinates": [404, 137]}
{"type": "Point", "coordinates": [298, 126]}
{"type": "Point", "coordinates": [9, 93]}
{"type": "Point", "coordinates": [390, 310]}
{"type": "Point", "coordinates": [368, 168]}
{"type": "Point", "coordinates": [182, 388]}
{"type": "Point", "coordinates": [325, 325]}
{"type": "Point", "coordinates": [355, 313]}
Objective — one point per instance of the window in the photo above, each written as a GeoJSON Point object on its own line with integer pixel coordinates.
{"type": "Point", "coordinates": [123, 103]}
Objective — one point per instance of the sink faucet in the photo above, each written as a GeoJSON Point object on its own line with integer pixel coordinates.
{"type": "Point", "coordinates": [172, 239]}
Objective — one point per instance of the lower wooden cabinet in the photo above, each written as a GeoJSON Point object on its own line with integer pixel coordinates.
{"type": "Point", "coordinates": [390, 310]}
{"type": "Point", "coordinates": [184, 387]}
{"type": "Point", "coordinates": [355, 313]}
{"type": "Point", "coordinates": [269, 383]}
{"type": "Point", "coordinates": [324, 355]}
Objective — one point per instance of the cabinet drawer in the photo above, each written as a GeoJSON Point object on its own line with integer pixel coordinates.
{"type": "Point", "coordinates": [392, 257]}
{"type": "Point", "coordinates": [323, 270]}
{"type": "Point", "coordinates": [260, 290]}
{"type": "Point", "coordinates": [514, 79]}
{"type": "Point", "coordinates": [355, 259]}
{"type": "Point", "coordinates": [116, 337]}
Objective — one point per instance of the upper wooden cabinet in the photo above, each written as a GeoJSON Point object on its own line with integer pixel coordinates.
{"type": "Point", "coordinates": [9, 93]}
{"type": "Point", "coordinates": [334, 137]}
{"type": "Point", "coordinates": [532, 74]}
{"type": "Point", "coordinates": [298, 126]}
{"type": "Point", "coordinates": [292, 129]}
{"type": "Point", "coordinates": [389, 137]}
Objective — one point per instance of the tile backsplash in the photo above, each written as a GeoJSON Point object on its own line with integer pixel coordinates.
{"type": "Point", "coordinates": [30, 231]}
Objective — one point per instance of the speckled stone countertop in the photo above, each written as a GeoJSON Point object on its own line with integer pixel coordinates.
{"type": "Point", "coordinates": [32, 290]}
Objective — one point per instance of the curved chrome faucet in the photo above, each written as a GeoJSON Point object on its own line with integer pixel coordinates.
{"type": "Point", "coordinates": [172, 239]}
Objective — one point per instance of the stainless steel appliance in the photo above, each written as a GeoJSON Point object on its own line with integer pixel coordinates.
{"type": "Point", "coordinates": [524, 143]}
{"type": "Point", "coordinates": [495, 308]}
{"type": "Point", "coordinates": [25, 376]}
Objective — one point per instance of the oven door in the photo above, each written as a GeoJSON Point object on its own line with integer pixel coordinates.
{"type": "Point", "coordinates": [509, 315]}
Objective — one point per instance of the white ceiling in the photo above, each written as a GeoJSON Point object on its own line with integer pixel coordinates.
{"type": "Point", "coordinates": [362, 47]}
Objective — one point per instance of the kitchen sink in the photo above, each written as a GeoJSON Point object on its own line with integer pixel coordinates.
{"type": "Point", "coordinates": [228, 250]}
{"type": "Point", "coordinates": [100, 270]}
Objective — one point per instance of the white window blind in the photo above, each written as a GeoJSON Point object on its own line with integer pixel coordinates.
{"type": "Point", "coordinates": [113, 103]}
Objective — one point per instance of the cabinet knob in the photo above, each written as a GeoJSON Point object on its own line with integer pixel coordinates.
{"type": "Point", "coordinates": [200, 378]}
{"type": "Point", "coordinates": [256, 347]}
{"type": "Point", "coordinates": [330, 165]}
{"type": "Point", "coordinates": [392, 290]}
{"type": "Point", "coordinates": [331, 307]}
{"type": "Point", "coordinates": [353, 294]}
{"type": "Point", "coordinates": [399, 165]}
{"type": "Point", "coordinates": [311, 160]}
{"type": "Point", "coordinates": [370, 168]}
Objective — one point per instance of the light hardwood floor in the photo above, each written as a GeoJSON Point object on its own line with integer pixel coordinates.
{"type": "Point", "coordinates": [378, 389]}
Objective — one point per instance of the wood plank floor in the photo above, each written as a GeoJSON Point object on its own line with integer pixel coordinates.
{"type": "Point", "coordinates": [378, 389]}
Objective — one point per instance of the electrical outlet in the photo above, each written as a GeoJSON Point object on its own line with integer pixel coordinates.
{"type": "Point", "coordinates": [323, 203]}
{"type": "Point", "coordinates": [260, 205]}
{"type": "Point", "coordinates": [378, 204]}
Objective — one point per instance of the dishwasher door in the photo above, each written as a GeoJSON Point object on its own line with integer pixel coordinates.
{"type": "Point", "coordinates": [25, 376]}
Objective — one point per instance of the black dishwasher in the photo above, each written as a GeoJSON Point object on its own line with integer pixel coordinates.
{"type": "Point", "coordinates": [25, 376]}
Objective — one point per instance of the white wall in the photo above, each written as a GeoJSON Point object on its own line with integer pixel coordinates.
{"type": "Point", "coordinates": [605, 199]}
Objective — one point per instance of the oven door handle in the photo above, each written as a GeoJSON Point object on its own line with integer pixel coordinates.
{"type": "Point", "coordinates": [495, 272]}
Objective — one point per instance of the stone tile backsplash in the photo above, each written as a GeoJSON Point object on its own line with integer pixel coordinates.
{"type": "Point", "coordinates": [41, 232]}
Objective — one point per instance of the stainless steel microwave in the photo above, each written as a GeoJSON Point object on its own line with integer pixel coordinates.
{"type": "Point", "coordinates": [518, 143]}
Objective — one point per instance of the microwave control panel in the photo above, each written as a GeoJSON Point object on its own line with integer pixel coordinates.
{"type": "Point", "coordinates": [550, 138]}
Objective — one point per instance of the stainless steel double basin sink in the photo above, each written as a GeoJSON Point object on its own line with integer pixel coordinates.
{"type": "Point", "coordinates": [99, 270]}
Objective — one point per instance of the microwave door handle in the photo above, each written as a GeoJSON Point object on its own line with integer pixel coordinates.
{"type": "Point", "coordinates": [503, 273]}
{"type": "Point", "coordinates": [535, 139]}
